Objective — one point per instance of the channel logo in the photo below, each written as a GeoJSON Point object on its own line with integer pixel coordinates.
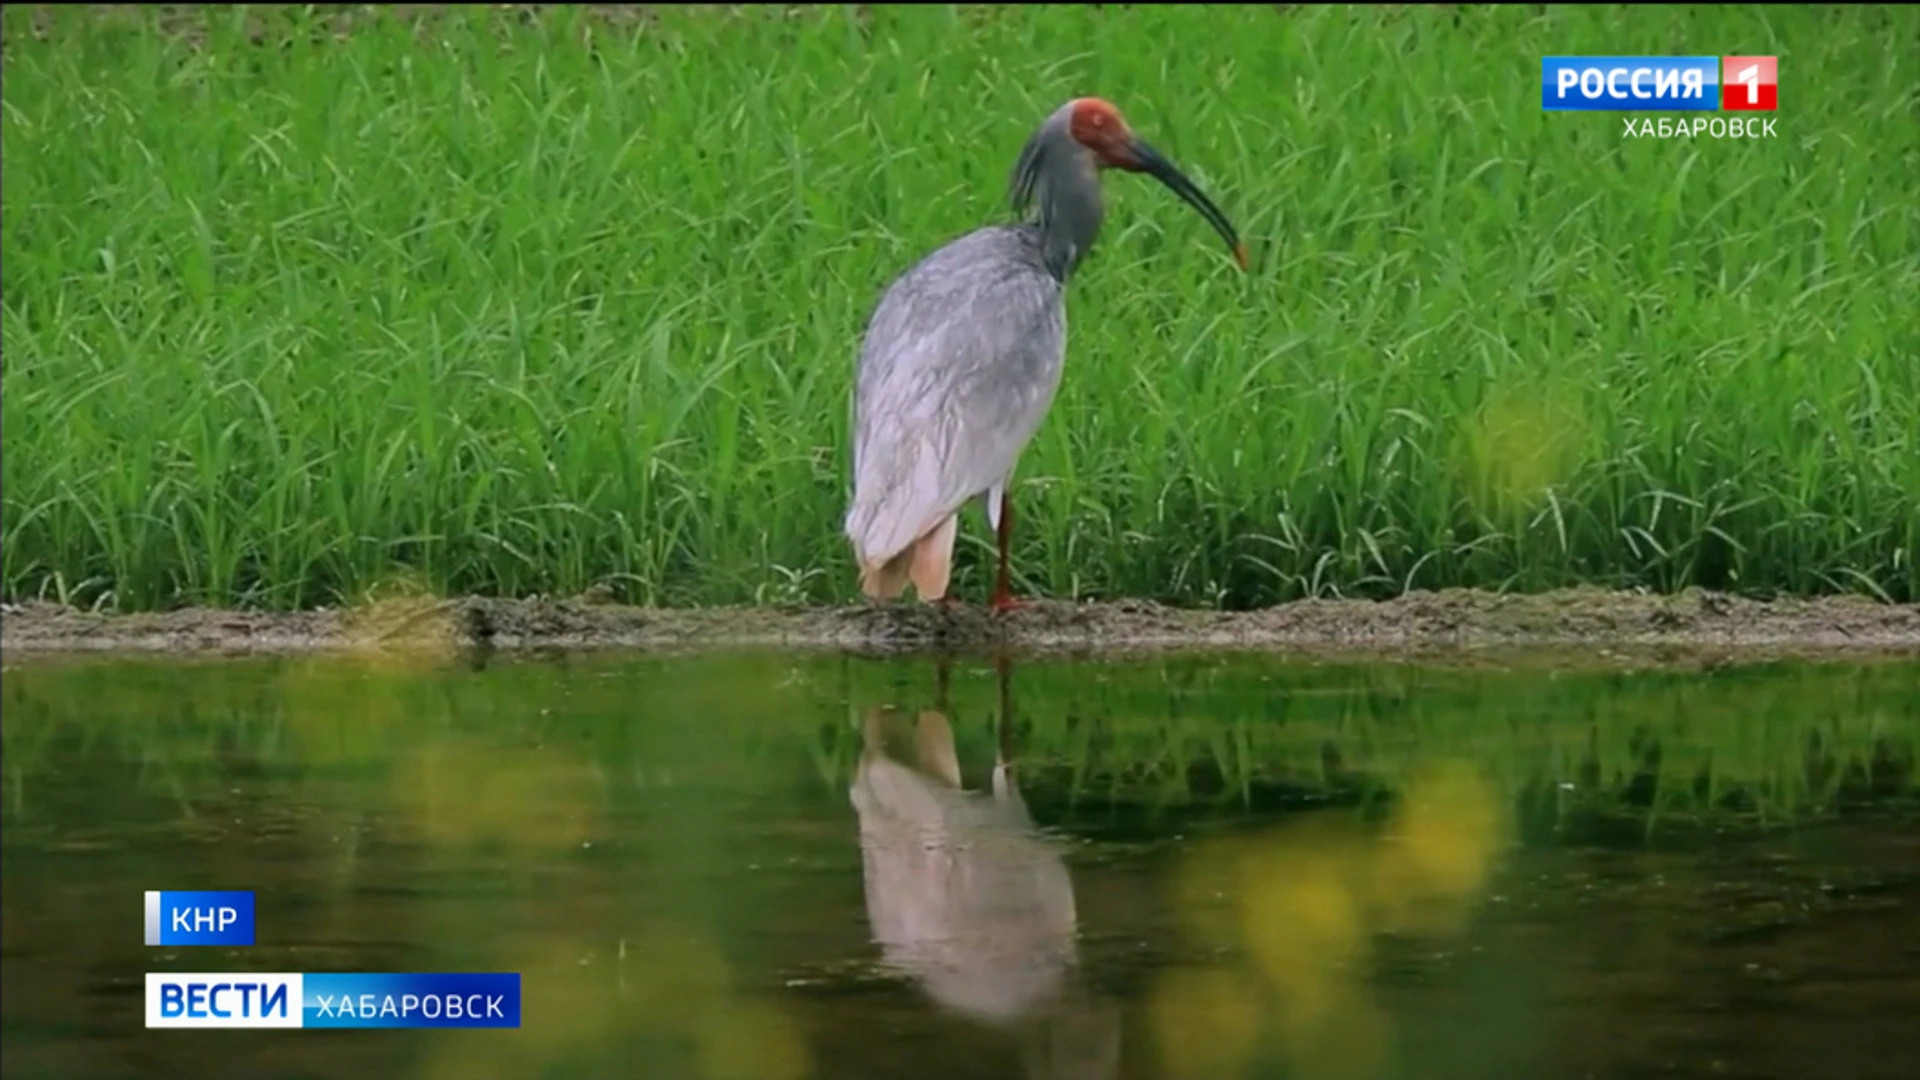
{"type": "Point", "coordinates": [225, 999]}
{"type": "Point", "coordinates": [231, 999]}
{"type": "Point", "coordinates": [199, 918]}
{"type": "Point", "coordinates": [1659, 83]}
{"type": "Point", "coordinates": [1751, 84]}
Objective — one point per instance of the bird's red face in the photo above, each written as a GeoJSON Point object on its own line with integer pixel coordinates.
{"type": "Point", "coordinates": [1097, 125]}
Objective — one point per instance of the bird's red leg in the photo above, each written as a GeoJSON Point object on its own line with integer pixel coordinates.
{"type": "Point", "coordinates": [1003, 598]}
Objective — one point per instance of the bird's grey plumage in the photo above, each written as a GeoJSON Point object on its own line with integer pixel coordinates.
{"type": "Point", "coordinates": [960, 366]}
{"type": "Point", "coordinates": [963, 355]}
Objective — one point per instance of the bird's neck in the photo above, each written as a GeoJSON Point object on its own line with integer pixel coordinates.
{"type": "Point", "coordinates": [1069, 221]}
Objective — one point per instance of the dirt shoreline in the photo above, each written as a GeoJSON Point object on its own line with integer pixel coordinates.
{"type": "Point", "coordinates": [1574, 624]}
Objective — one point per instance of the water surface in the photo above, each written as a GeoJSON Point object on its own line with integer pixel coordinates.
{"type": "Point", "coordinates": [770, 867]}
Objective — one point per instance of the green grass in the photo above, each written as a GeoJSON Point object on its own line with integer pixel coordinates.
{"type": "Point", "coordinates": [524, 308]}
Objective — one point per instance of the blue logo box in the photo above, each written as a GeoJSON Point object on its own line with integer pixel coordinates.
{"type": "Point", "coordinates": [1630, 83]}
{"type": "Point", "coordinates": [199, 918]}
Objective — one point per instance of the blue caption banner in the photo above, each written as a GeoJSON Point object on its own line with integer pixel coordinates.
{"type": "Point", "coordinates": [489, 1000]}
{"type": "Point", "coordinates": [1630, 83]}
{"type": "Point", "coordinates": [199, 918]}
{"type": "Point", "coordinates": [232, 999]}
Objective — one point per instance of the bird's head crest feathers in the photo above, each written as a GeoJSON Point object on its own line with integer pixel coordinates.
{"type": "Point", "coordinates": [1026, 172]}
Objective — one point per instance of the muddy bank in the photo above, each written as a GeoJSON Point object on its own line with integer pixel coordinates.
{"type": "Point", "coordinates": [1576, 623]}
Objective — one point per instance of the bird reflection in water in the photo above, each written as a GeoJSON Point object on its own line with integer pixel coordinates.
{"type": "Point", "coordinates": [968, 899]}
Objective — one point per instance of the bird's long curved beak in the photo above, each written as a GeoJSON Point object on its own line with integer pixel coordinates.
{"type": "Point", "coordinates": [1150, 161]}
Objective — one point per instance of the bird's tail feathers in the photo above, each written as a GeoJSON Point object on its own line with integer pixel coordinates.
{"type": "Point", "coordinates": [887, 579]}
{"type": "Point", "coordinates": [933, 560]}
{"type": "Point", "coordinates": [927, 564]}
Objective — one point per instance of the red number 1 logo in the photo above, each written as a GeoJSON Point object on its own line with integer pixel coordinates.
{"type": "Point", "coordinates": [1749, 83]}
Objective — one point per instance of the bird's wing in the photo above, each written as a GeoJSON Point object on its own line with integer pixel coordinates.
{"type": "Point", "coordinates": [958, 369]}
